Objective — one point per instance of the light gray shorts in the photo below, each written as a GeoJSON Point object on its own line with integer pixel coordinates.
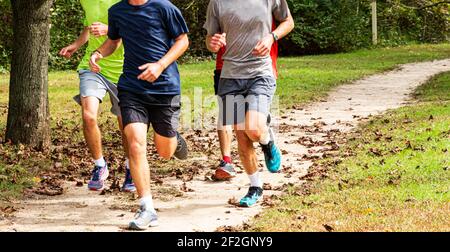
{"type": "Point", "coordinates": [96, 85]}
{"type": "Point", "coordinates": [237, 96]}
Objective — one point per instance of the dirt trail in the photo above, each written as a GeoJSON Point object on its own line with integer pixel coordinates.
{"type": "Point", "coordinates": [206, 208]}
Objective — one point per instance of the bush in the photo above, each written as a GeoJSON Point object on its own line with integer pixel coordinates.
{"type": "Point", "coordinates": [6, 37]}
{"type": "Point", "coordinates": [341, 25]}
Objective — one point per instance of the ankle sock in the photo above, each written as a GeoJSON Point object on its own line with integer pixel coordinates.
{"type": "Point", "coordinates": [127, 164]}
{"type": "Point", "coordinates": [227, 159]}
{"type": "Point", "coordinates": [100, 162]}
{"type": "Point", "coordinates": [265, 138]}
{"type": "Point", "coordinates": [255, 180]}
{"type": "Point", "coordinates": [147, 203]}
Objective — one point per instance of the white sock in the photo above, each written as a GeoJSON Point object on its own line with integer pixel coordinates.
{"type": "Point", "coordinates": [265, 138]}
{"type": "Point", "coordinates": [100, 162]}
{"type": "Point", "coordinates": [127, 164]}
{"type": "Point", "coordinates": [147, 203]}
{"type": "Point", "coordinates": [255, 180]}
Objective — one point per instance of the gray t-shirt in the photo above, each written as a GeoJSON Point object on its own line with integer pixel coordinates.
{"type": "Point", "coordinates": [245, 22]}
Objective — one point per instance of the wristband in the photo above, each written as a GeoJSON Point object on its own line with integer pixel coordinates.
{"type": "Point", "coordinates": [97, 51]}
{"type": "Point", "coordinates": [275, 37]}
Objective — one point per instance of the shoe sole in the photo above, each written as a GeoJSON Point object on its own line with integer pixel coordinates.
{"type": "Point", "coordinates": [221, 174]}
{"type": "Point", "coordinates": [104, 178]}
{"type": "Point", "coordinates": [128, 190]}
{"type": "Point", "coordinates": [133, 226]}
{"type": "Point", "coordinates": [249, 206]}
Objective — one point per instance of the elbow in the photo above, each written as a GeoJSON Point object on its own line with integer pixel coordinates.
{"type": "Point", "coordinates": [291, 24]}
{"type": "Point", "coordinates": [185, 43]}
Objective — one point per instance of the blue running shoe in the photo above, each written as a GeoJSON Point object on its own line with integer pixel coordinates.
{"type": "Point", "coordinates": [253, 195]}
{"type": "Point", "coordinates": [272, 155]}
{"type": "Point", "coordinates": [128, 185]}
{"type": "Point", "coordinates": [99, 176]}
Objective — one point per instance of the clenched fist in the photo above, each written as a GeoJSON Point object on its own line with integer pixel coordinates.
{"type": "Point", "coordinates": [98, 29]}
{"type": "Point", "coordinates": [95, 57]}
{"type": "Point", "coordinates": [264, 46]}
{"type": "Point", "coordinates": [151, 72]}
{"type": "Point", "coordinates": [218, 41]}
{"type": "Point", "coordinates": [68, 51]}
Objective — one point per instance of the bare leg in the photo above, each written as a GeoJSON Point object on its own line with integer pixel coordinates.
{"type": "Point", "coordinates": [256, 126]}
{"type": "Point", "coordinates": [124, 139]}
{"type": "Point", "coordinates": [165, 146]}
{"type": "Point", "coordinates": [136, 134]}
{"type": "Point", "coordinates": [225, 138]}
{"type": "Point", "coordinates": [247, 152]}
{"type": "Point", "coordinates": [91, 130]}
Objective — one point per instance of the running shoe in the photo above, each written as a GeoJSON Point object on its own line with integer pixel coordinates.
{"type": "Point", "coordinates": [182, 150]}
{"type": "Point", "coordinates": [252, 197]}
{"type": "Point", "coordinates": [128, 185]}
{"type": "Point", "coordinates": [99, 176]}
{"type": "Point", "coordinates": [143, 220]}
{"type": "Point", "coordinates": [225, 171]}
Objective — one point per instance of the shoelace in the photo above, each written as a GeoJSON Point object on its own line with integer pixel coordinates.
{"type": "Point", "coordinates": [251, 192]}
{"type": "Point", "coordinates": [96, 173]}
{"type": "Point", "coordinates": [138, 213]}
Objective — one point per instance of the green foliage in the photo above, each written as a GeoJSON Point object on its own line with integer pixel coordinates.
{"type": "Point", "coordinates": [343, 25]}
{"type": "Point", "coordinates": [6, 34]}
{"type": "Point", "coordinates": [322, 26]}
{"type": "Point", "coordinates": [67, 23]}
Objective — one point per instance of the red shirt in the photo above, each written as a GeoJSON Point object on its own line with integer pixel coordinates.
{"type": "Point", "coordinates": [273, 55]}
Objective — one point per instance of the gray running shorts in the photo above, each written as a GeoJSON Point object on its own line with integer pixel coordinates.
{"type": "Point", "coordinates": [95, 85]}
{"type": "Point", "coordinates": [237, 96]}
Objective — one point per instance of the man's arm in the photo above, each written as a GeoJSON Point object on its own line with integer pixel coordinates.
{"type": "Point", "coordinates": [285, 27]}
{"type": "Point", "coordinates": [152, 71]}
{"type": "Point", "coordinates": [108, 48]}
{"type": "Point", "coordinates": [69, 50]}
{"type": "Point", "coordinates": [264, 45]}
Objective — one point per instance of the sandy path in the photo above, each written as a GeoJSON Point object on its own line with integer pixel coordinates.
{"type": "Point", "coordinates": [206, 208]}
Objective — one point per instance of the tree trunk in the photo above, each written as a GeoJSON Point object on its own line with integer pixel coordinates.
{"type": "Point", "coordinates": [28, 114]}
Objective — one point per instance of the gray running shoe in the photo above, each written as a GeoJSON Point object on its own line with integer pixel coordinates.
{"type": "Point", "coordinates": [225, 171]}
{"type": "Point", "coordinates": [182, 150]}
{"type": "Point", "coordinates": [143, 220]}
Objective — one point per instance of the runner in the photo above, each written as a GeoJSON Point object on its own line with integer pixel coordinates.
{"type": "Point", "coordinates": [247, 83]}
{"type": "Point", "coordinates": [94, 86]}
{"type": "Point", "coordinates": [154, 34]}
{"type": "Point", "coordinates": [226, 170]}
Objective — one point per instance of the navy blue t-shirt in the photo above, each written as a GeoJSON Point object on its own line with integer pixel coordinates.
{"type": "Point", "coordinates": [148, 32]}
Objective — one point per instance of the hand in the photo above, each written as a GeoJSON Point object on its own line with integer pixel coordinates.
{"type": "Point", "coordinates": [264, 46]}
{"type": "Point", "coordinates": [98, 29]}
{"type": "Point", "coordinates": [218, 41]}
{"type": "Point", "coordinates": [68, 51]}
{"type": "Point", "coordinates": [95, 57]}
{"type": "Point", "coordinates": [151, 73]}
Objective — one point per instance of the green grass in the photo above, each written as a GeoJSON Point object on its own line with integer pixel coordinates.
{"type": "Point", "coordinates": [302, 80]}
{"type": "Point", "coordinates": [396, 180]}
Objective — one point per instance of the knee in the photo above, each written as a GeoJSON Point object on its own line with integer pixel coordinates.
{"type": "Point", "coordinates": [254, 135]}
{"type": "Point", "coordinates": [89, 119]}
{"type": "Point", "coordinates": [136, 148]}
